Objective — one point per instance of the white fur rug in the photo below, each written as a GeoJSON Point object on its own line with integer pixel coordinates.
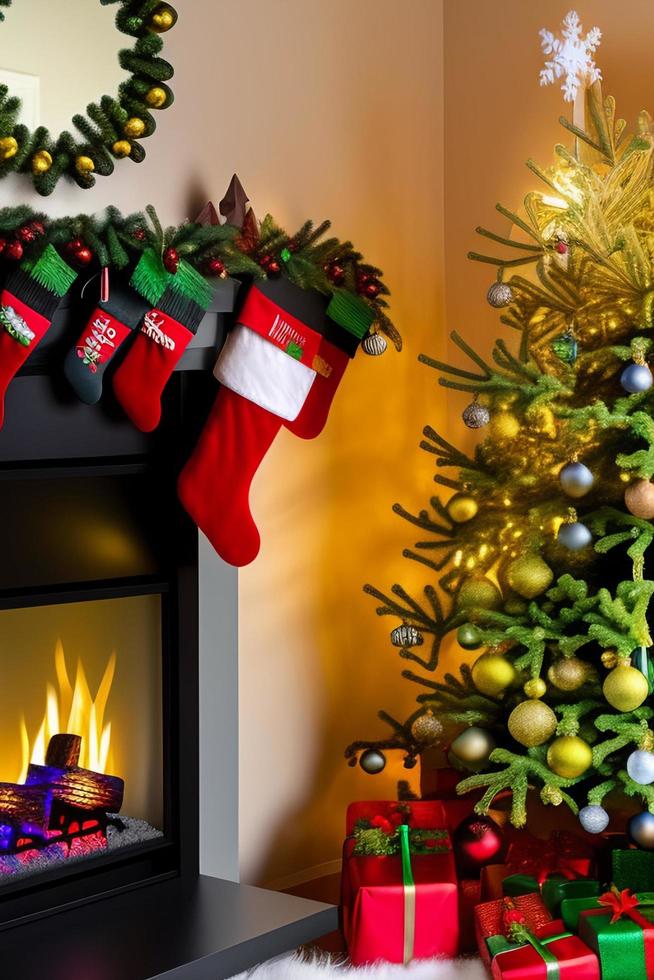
{"type": "Point", "coordinates": [293, 967]}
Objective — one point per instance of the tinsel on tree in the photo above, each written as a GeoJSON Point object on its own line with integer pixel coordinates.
{"type": "Point", "coordinates": [537, 545]}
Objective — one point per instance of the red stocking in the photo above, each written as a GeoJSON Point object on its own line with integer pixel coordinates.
{"type": "Point", "coordinates": [214, 486]}
{"type": "Point", "coordinates": [313, 415]}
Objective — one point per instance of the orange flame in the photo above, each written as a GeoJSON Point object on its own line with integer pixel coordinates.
{"type": "Point", "coordinates": [84, 714]}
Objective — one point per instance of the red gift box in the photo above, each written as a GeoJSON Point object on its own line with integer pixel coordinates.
{"type": "Point", "coordinates": [490, 919]}
{"type": "Point", "coordinates": [562, 853]}
{"type": "Point", "coordinates": [575, 960]}
{"type": "Point", "coordinates": [374, 895]}
{"type": "Point", "coordinates": [469, 899]}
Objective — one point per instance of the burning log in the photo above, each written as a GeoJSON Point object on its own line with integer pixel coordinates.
{"type": "Point", "coordinates": [80, 788]}
{"type": "Point", "coordinates": [64, 751]}
{"type": "Point", "coordinates": [22, 806]}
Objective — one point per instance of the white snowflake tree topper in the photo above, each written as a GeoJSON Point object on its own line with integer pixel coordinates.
{"type": "Point", "coordinates": [571, 56]}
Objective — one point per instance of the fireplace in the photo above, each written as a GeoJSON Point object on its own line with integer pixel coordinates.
{"type": "Point", "coordinates": [105, 821]}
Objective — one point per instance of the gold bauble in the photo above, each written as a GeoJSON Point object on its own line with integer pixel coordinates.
{"type": "Point", "coordinates": [492, 674]}
{"type": "Point", "coordinates": [84, 165]}
{"type": "Point", "coordinates": [639, 499]}
{"type": "Point", "coordinates": [535, 687]}
{"type": "Point", "coordinates": [134, 127]}
{"type": "Point", "coordinates": [462, 507]}
{"type": "Point", "coordinates": [504, 425]}
{"type": "Point", "coordinates": [41, 162]}
{"type": "Point", "coordinates": [427, 729]}
{"type": "Point", "coordinates": [532, 723]}
{"type": "Point", "coordinates": [569, 756]}
{"type": "Point", "coordinates": [156, 97]}
{"type": "Point", "coordinates": [568, 673]}
{"type": "Point", "coordinates": [163, 19]}
{"type": "Point", "coordinates": [529, 576]}
{"type": "Point", "coordinates": [478, 592]}
{"type": "Point", "coordinates": [8, 147]}
{"type": "Point", "coordinates": [121, 148]}
{"type": "Point", "coordinates": [625, 688]}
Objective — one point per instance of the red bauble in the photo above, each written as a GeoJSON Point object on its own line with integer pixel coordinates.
{"type": "Point", "coordinates": [139, 234]}
{"type": "Point", "coordinates": [171, 260]}
{"type": "Point", "coordinates": [561, 247]}
{"type": "Point", "coordinates": [273, 268]}
{"type": "Point", "coordinates": [216, 268]}
{"type": "Point", "coordinates": [38, 228]}
{"type": "Point", "coordinates": [371, 289]}
{"type": "Point", "coordinates": [265, 261]}
{"type": "Point", "coordinates": [14, 251]}
{"type": "Point", "coordinates": [74, 245]}
{"type": "Point", "coordinates": [83, 255]}
{"type": "Point", "coordinates": [26, 234]}
{"type": "Point", "coordinates": [477, 841]}
{"type": "Point", "coordinates": [3, 245]}
{"type": "Point", "coordinates": [335, 273]}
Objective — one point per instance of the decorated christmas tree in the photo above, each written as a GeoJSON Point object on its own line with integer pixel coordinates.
{"type": "Point", "coordinates": [536, 547]}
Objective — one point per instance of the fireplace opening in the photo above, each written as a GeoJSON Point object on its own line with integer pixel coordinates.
{"type": "Point", "coordinates": [81, 732]}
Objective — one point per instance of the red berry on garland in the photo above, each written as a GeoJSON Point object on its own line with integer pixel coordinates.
{"type": "Point", "coordinates": [171, 260]}
{"type": "Point", "coordinates": [3, 245]}
{"type": "Point", "coordinates": [476, 841]}
{"type": "Point", "coordinates": [139, 234]}
{"type": "Point", "coordinates": [74, 246]}
{"type": "Point", "coordinates": [216, 268]}
{"type": "Point", "coordinates": [371, 289]}
{"type": "Point", "coordinates": [38, 228]}
{"type": "Point", "coordinates": [335, 273]}
{"type": "Point", "coordinates": [83, 255]}
{"type": "Point", "coordinates": [265, 261]}
{"type": "Point", "coordinates": [561, 247]}
{"type": "Point", "coordinates": [14, 251]}
{"type": "Point", "coordinates": [26, 234]}
{"type": "Point", "coordinates": [273, 267]}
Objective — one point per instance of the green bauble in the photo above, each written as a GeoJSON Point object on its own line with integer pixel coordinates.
{"type": "Point", "coordinates": [492, 674]}
{"type": "Point", "coordinates": [469, 637]}
{"type": "Point", "coordinates": [529, 576]}
{"type": "Point", "coordinates": [478, 592]}
{"type": "Point", "coordinates": [532, 723]}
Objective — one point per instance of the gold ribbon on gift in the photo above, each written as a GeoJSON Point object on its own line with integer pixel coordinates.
{"type": "Point", "coordinates": [409, 895]}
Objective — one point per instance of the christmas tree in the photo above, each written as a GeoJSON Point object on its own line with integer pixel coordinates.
{"type": "Point", "coordinates": [537, 544]}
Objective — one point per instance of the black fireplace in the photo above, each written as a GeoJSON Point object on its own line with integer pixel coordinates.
{"type": "Point", "coordinates": [99, 729]}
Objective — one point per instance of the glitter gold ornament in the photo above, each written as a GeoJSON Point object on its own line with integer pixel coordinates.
{"type": "Point", "coordinates": [163, 19]}
{"type": "Point", "coordinates": [8, 147]}
{"type": "Point", "coordinates": [569, 756]}
{"type": "Point", "coordinates": [475, 416]}
{"type": "Point", "coordinates": [121, 148]}
{"type": "Point", "coordinates": [532, 723]}
{"type": "Point", "coordinates": [639, 499]}
{"type": "Point", "coordinates": [504, 425]}
{"type": "Point", "coordinates": [427, 729]}
{"type": "Point", "coordinates": [535, 687]}
{"type": "Point", "coordinates": [134, 127]}
{"type": "Point", "coordinates": [462, 507]}
{"type": "Point", "coordinates": [492, 674]}
{"type": "Point", "coordinates": [529, 576]}
{"type": "Point", "coordinates": [625, 688]}
{"type": "Point", "coordinates": [478, 592]}
{"type": "Point", "coordinates": [568, 673]}
{"type": "Point", "coordinates": [41, 162]}
{"type": "Point", "coordinates": [84, 165]}
{"type": "Point", "coordinates": [156, 97]}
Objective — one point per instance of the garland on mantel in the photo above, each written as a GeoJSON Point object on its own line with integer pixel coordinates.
{"type": "Point", "coordinates": [111, 240]}
{"type": "Point", "coordinates": [111, 128]}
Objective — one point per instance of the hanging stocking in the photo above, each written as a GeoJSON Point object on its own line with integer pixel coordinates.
{"type": "Point", "coordinates": [109, 326]}
{"type": "Point", "coordinates": [315, 411]}
{"type": "Point", "coordinates": [164, 336]}
{"type": "Point", "coordinates": [27, 304]}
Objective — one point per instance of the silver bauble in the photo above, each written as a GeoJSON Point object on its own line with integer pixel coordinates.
{"type": "Point", "coordinates": [372, 761]}
{"type": "Point", "coordinates": [636, 378]}
{"type": "Point", "coordinates": [406, 636]}
{"type": "Point", "coordinates": [574, 536]}
{"type": "Point", "coordinates": [641, 830]}
{"type": "Point", "coordinates": [576, 480]}
{"type": "Point", "coordinates": [475, 416]}
{"type": "Point", "coordinates": [640, 766]}
{"type": "Point", "coordinates": [500, 294]}
{"type": "Point", "coordinates": [374, 344]}
{"type": "Point", "coordinates": [594, 819]}
{"type": "Point", "coordinates": [473, 745]}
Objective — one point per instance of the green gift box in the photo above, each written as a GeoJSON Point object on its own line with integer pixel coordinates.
{"type": "Point", "coordinates": [624, 947]}
{"type": "Point", "coordinates": [554, 890]}
{"type": "Point", "coordinates": [571, 909]}
{"type": "Point", "coordinates": [633, 869]}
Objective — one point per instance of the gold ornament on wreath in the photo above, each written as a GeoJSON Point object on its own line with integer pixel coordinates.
{"type": "Point", "coordinates": [427, 729]}
{"type": "Point", "coordinates": [100, 132]}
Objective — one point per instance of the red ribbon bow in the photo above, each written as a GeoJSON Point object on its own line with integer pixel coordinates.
{"type": "Point", "coordinates": [620, 903]}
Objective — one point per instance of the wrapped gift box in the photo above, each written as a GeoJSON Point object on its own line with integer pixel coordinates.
{"type": "Point", "coordinates": [490, 921]}
{"type": "Point", "coordinates": [633, 869]}
{"type": "Point", "coordinates": [625, 948]}
{"type": "Point", "coordinates": [469, 899]}
{"type": "Point", "coordinates": [554, 890]}
{"type": "Point", "coordinates": [376, 904]}
{"type": "Point", "coordinates": [552, 955]}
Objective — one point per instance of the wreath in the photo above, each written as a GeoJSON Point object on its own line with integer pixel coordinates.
{"type": "Point", "coordinates": [111, 128]}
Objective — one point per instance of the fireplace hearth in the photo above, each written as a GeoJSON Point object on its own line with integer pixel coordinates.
{"type": "Point", "coordinates": [100, 726]}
